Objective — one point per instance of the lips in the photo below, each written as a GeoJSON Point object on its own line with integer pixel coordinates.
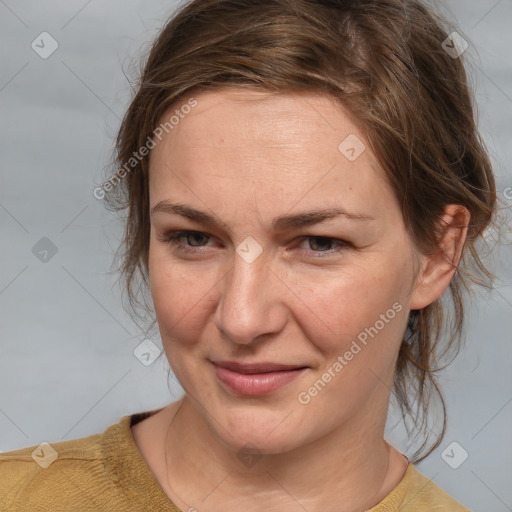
{"type": "Point", "coordinates": [256, 378]}
{"type": "Point", "coordinates": [249, 369]}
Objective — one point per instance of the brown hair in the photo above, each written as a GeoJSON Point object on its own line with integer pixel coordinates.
{"type": "Point", "coordinates": [384, 61]}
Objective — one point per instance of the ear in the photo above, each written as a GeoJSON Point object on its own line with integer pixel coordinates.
{"type": "Point", "coordinates": [437, 270]}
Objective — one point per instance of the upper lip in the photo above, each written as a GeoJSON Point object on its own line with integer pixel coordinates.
{"type": "Point", "coordinates": [249, 368]}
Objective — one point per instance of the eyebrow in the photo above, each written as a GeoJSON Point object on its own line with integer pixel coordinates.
{"type": "Point", "coordinates": [299, 220]}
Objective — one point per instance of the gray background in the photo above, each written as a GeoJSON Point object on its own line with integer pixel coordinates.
{"type": "Point", "coordinates": [67, 365]}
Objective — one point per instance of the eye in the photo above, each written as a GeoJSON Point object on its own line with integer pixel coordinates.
{"type": "Point", "coordinates": [186, 241]}
{"type": "Point", "coordinates": [322, 245]}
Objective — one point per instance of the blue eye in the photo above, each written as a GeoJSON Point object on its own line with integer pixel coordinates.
{"type": "Point", "coordinates": [187, 241]}
{"type": "Point", "coordinates": [322, 245]}
{"type": "Point", "coordinates": [174, 239]}
{"type": "Point", "coordinates": [323, 241]}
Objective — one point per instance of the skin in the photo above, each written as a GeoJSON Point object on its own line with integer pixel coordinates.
{"type": "Point", "coordinates": [248, 157]}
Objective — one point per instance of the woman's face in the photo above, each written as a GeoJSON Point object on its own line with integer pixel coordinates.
{"type": "Point", "coordinates": [262, 279]}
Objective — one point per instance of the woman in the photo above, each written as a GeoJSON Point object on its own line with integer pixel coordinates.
{"type": "Point", "coordinates": [303, 182]}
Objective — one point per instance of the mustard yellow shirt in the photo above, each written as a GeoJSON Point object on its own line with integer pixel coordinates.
{"type": "Point", "coordinates": [106, 472]}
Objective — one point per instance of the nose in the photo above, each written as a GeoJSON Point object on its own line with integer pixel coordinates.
{"type": "Point", "coordinates": [251, 304]}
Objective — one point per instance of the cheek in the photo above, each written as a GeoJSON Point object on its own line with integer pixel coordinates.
{"type": "Point", "coordinates": [180, 296]}
{"type": "Point", "coordinates": [365, 312]}
{"type": "Point", "coordinates": [337, 308]}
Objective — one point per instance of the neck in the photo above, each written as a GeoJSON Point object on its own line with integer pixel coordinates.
{"type": "Point", "coordinates": [351, 466]}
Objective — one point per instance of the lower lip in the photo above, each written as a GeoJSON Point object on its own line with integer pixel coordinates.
{"type": "Point", "coordinates": [255, 384]}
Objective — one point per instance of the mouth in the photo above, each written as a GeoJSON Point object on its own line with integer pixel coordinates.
{"type": "Point", "coordinates": [255, 379]}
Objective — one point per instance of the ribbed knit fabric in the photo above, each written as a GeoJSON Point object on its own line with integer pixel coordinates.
{"type": "Point", "coordinates": [107, 473]}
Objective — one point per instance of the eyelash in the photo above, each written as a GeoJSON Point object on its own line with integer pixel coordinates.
{"type": "Point", "coordinates": [172, 239]}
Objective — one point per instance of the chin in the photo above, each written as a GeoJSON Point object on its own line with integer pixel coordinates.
{"type": "Point", "coordinates": [260, 430]}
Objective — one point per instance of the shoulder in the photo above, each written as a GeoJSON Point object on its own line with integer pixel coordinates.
{"type": "Point", "coordinates": [417, 493]}
{"type": "Point", "coordinates": [424, 492]}
{"type": "Point", "coordinates": [38, 470]}
{"type": "Point", "coordinates": [51, 476]}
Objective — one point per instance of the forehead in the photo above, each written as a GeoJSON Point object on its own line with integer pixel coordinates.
{"type": "Point", "coordinates": [272, 145]}
{"type": "Point", "coordinates": [262, 119]}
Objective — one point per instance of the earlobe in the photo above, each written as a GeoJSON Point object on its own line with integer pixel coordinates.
{"type": "Point", "coordinates": [437, 270]}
